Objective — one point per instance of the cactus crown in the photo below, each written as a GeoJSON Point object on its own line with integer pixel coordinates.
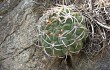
{"type": "Point", "coordinates": [63, 32]}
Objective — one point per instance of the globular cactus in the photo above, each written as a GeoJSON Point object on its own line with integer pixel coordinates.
{"type": "Point", "coordinates": [63, 32]}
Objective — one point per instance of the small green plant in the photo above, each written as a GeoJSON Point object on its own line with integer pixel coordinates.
{"type": "Point", "coordinates": [63, 32]}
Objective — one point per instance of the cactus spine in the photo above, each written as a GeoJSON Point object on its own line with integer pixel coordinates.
{"type": "Point", "coordinates": [63, 32]}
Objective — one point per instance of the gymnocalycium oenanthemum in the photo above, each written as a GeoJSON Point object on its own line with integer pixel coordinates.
{"type": "Point", "coordinates": [62, 32]}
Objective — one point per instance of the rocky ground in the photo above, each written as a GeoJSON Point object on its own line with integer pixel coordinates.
{"type": "Point", "coordinates": [18, 35]}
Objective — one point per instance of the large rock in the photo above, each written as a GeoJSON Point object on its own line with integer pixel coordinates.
{"type": "Point", "coordinates": [18, 36]}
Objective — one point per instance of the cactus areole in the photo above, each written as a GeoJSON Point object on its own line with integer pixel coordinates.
{"type": "Point", "coordinates": [63, 32]}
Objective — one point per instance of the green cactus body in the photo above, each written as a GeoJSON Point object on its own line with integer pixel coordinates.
{"type": "Point", "coordinates": [64, 33]}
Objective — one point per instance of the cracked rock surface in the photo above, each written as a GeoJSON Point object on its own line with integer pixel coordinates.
{"type": "Point", "coordinates": [18, 20]}
{"type": "Point", "coordinates": [17, 34]}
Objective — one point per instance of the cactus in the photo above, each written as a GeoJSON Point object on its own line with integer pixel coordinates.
{"type": "Point", "coordinates": [63, 32]}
